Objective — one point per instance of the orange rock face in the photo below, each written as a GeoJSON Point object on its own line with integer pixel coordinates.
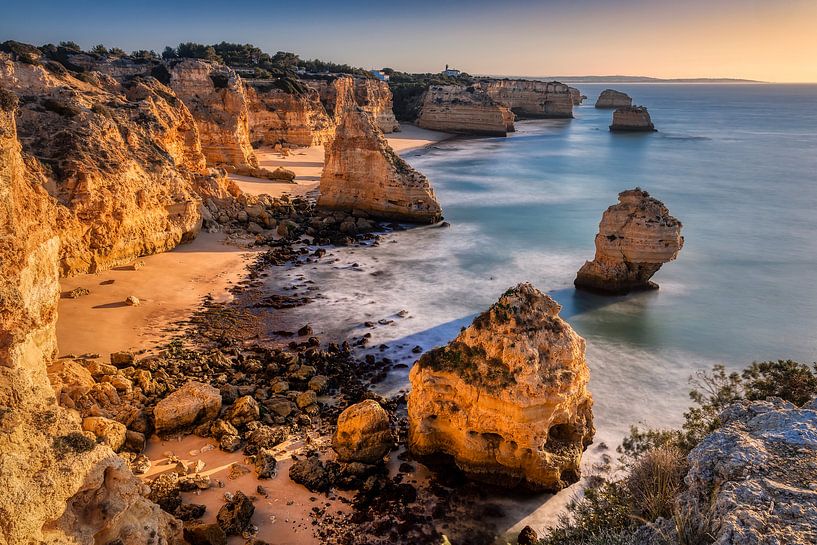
{"type": "Point", "coordinates": [120, 159]}
{"type": "Point", "coordinates": [59, 485]}
{"type": "Point", "coordinates": [528, 98]}
{"type": "Point", "coordinates": [466, 110]}
{"type": "Point", "coordinates": [374, 96]}
{"type": "Point", "coordinates": [632, 119]}
{"type": "Point", "coordinates": [287, 116]}
{"type": "Point", "coordinates": [362, 172]}
{"type": "Point", "coordinates": [636, 236]}
{"type": "Point", "coordinates": [507, 399]}
{"type": "Point", "coordinates": [216, 96]}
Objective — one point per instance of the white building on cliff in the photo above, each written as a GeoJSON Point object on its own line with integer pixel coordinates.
{"type": "Point", "coordinates": [450, 72]}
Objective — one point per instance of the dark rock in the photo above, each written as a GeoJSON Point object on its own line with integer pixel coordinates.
{"type": "Point", "coordinates": [190, 511]}
{"type": "Point", "coordinates": [311, 473]}
{"type": "Point", "coordinates": [164, 490]}
{"type": "Point", "coordinates": [528, 536]}
{"type": "Point", "coordinates": [234, 516]}
{"type": "Point", "coordinates": [305, 331]}
{"type": "Point", "coordinates": [265, 464]}
{"type": "Point", "coordinates": [205, 534]}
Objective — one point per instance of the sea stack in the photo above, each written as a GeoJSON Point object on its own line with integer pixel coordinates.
{"type": "Point", "coordinates": [610, 98]}
{"type": "Point", "coordinates": [464, 110]}
{"type": "Point", "coordinates": [636, 236]}
{"type": "Point", "coordinates": [576, 96]}
{"type": "Point", "coordinates": [362, 172]}
{"type": "Point", "coordinates": [531, 99]}
{"type": "Point", "coordinates": [632, 119]}
{"type": "Point", "coordinates": [507, 399]}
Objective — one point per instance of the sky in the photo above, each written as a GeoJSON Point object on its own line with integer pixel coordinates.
{"type": "Point", "coordinates": [769, 40]}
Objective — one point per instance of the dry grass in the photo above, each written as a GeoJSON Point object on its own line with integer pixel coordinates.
{"type": "Point", "coordinates": [655, 480]}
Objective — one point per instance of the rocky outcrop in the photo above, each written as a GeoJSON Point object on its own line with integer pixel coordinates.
{"type": "Point", "coordinates": [363, 433]}
{"type": "Point", "coordinates": [636, 236]}
{"type": "Point", "coordinates": [59, 485]}
{"type": "Point", "coordinates": [122, 160]}
{"type": "Point", "coordinates": [752, 481]}
{"type": "Point", "coordinates": [610, 98]}
{"type": "Point", "coordinates": [337, 93]}
{"type": "Point", "coordinates": [362, 172]}
{"type": "Point", "coordinates": [632, 119]}
{"type": "Point", "coordinates": [216, 96]}
{"type": "Point", "coordinates": [507, 399]}
{"type": "Point", "coordinates": [287, 113]}
{"type": "Point", "coordinates": [192, 404]}
{"type": "Point", "coordinates": [577, 96]}
{"type": "Point", "coordinates": [465, 110]}
{"type": "Point", "coordinates": [533, 99]}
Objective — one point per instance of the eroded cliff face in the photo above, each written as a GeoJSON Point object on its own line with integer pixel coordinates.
{"type": "Point", "coordinates": [526, 98]}
{"type": "Point", "coordinates": [216, 96]}
{"type": "Point", "coordinates": [466, 110]}
{"type": "Point", "coordinates": [362, 172]}
{"type": "Point", "coordinates": [577, 96]}
{"type": "Point", "coordinates": [373, 96]}
{"type": "Point", "coordinates": [636, 236]}
{"type": "Point", "coordinates": [287, 116]}
{"type": "Point", "coordinates": [507, 399]}
{"type": "Point", "coordinates": [120, 158]}
{"type": "Point", "coordinates": [59, 485]}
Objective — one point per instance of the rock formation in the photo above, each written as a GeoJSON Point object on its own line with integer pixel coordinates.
{"type": "Point", "coordinates": [216, 96]}
{"type": "Point", "coordinates": [577, 96]}
{"type": "Point", "coordinates": [610, 98]}
{"type": "Point", "coordinates": [288, 113]}
{"type": "Point", "coordinates": [59, 485]}
{"type": "Point", "coordinates": [466, 110]}
{"type": "Point", "coordinates": [632, 119]}
{"type": "Point", "coordinates": [122, 159]}
{"type": "Point", "coordinates": [192, 404]}
{"type": "Point", "coordinates": [528, 98]}
{"type": "Point", "coordinates": [752, 481]}
{"type": "Point", "coordinates": [362, 172]}
{"type": "Point", "coordinates": [507, 399]}
{"type": "Point", "coordinates": [636, 236]}
{"type": "Point", "coordinates": [363, 433]}
{"type": "Point", "coordinates": [337, 93]}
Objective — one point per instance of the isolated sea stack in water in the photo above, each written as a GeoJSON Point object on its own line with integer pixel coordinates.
{"type": "Point", "coordinates": [507, 399]}
{"type": "Point", "coordinates": [362, 172]}
{"type": "Point", "coordinates": [636, 236]}
{"type": "Point", "coordinates": [610, 98]}
{"type": "Point", "coordinates": [632, 119]}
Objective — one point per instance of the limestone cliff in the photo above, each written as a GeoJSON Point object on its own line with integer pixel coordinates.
{"type": "Point", "coordinates": [466, 110]}
{"type": "Point", "coordinates": [216, 96]}
{"type": "Point", "coordinates": [610, 98]}
{"type": "Point", "coordinates": [632, 119]}
{"type": "Point", "coordinates": [287, 115]}
{"type": "Point", "coordinates": [374, 96]}
{"type": "Point", "coordinates": [508, 398]}
{"type": "Point", "coordinates": [59, 485]}
{"type": "Point", "coordinates": [362, 172]}
{"type": "Point", "coordinates": [636, 236]}
{"type": "Point", "coordinates": [120, 158]}
{"type": "Point", "coordinates": [528, 98]}
{"type": "Point", "coordinates": [577, 96]}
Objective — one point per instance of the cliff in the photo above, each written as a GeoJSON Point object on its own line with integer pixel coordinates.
{"type": "Point", "coordinates": [373, 96]}
{"type": "Point", "coordinates": [362, 172]}
{"type": "Point", "coordinates": [287, 115]}
{"type": "Point", "coordinates": [216, 96]}
{"type": "Point", "coordinates": [610, 98]}
{"type": "Point", "coordinates": [59, 485]}
{"type": "Point", "coordinates": [121, 159]}
{"type": "Point", "coordinates": [466, 110]}
{"type": "Point", "coordinates": [636, 236]}
{"type": "Point", "coordinates": [507, 399]}
{"type": "Point", "coordinates": [632, 119]}
{"type": "Point", "coordinates": [576, 96]}
{"type": "Point", "coordinates": [526, 98]}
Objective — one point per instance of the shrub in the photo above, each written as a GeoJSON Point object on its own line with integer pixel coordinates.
{"type": "Point", "coordinates": [654, 481]}
{"type": "Point", "coordinates": [790, 380]}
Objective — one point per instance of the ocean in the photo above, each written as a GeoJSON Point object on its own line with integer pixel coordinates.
{"type": "Point", "coordinates": [737, 164]}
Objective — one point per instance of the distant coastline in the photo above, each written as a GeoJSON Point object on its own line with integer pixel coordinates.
{"type": "Point", "coordinates": [630, 79]}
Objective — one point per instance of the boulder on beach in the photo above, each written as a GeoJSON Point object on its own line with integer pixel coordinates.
{"type": "Point", "coordinates": [632, 119]}
{"type": "Point", "coordinates": [636, 236]}
{"type": "Point", "coordinates": [363, 433]}
{"type": "Point", "coordinates": [610, 98]}
{"type": "Point", "coordinates": [192, 404]}
{"type": "Point", "coordinates": [507, 399]}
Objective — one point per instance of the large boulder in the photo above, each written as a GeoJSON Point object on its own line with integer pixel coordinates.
{"type": "Point", "coordinates": [363, 433]}
{"type": "Point", "coordinates": [507, 399]}
{"type": "Point", "coordinates": [610, 98]}
{"type": "Point", "coordinates": [636, 236]}
{"type": "Point", "coordinates": [192, 404]}
{"type": "Point", "coordinates": [362, 172]}
{"type": "Point", "coordinates": [753, 480]}
{"type": "Point", "coordinates": [108, 432]}
{"type": "Point", "coordinates": [632, 119]}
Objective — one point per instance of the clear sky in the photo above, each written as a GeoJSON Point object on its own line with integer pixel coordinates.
{"type": "Point", "coordinates": [772, 40]}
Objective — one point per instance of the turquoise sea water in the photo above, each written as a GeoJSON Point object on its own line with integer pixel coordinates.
{"type": "Point", "coordinates": [737, 164]}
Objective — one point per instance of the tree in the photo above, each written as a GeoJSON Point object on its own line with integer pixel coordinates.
{"type": "Point", "coordinates": [192, 50]}
{"type": "Point", "coordinates": [74, 46]}
{"type": "Point", "coordinates": [99, 49]}
{"type": "Point", "coordinates": [169, 53]}
{"type": "Point", "coordinates": [117, 52]}
{"type": "Point", "coordinates": [286, 60]}
{"type": "Point", "coordinates": [145, 54]}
